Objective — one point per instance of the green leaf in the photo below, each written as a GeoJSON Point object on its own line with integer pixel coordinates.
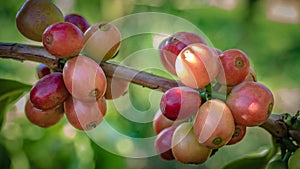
{"type": "Point", "coordinates": [257, 160]}
{"type": "Point", "coordinates": [10, 92]}
{"type": "Point", "coordinates": [277, 164]}
{"type": "Point", "coordinates": [5, 161]}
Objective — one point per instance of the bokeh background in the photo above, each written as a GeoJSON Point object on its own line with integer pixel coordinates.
{"type": "Point", "coordinates": [268, 31]}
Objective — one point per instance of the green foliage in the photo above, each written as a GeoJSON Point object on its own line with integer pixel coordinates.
{"type": "Point", "coordinates": [278, 164]}
{"type": "Point", "coordinates": [257, 160]}
{"type": "Point", "coordinates": [10, 92]}
{"type": "Point", "coordinates": [294, 162]}
{"type": "Point", "coordinates": [106, 160]}
{"type": "Point", "coordinates": [8, 11]}
{"type": "Point", "coordinates": [19, 71]}
{"type": "Point", "coordinates": [5, 161]}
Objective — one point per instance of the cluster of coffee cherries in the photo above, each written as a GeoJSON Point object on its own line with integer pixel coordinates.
{"type": "Point", "coordinates": [80, 90]}
{"type": "Point", "coordinates": [193, 120]}
{"type": "Point", "coordinates": [219, 98]}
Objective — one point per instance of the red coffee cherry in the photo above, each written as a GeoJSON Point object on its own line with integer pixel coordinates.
{"type": "Point", "coordinates": [251, 75]}
{"type": "Point", "coordinates": [163, 143]}
{"type": "Point", "coordinates": [238, 135]}
{"type": "Point", "coordinates": [235, 66]}
{"type": "Point", "coordinates": [49, 92]}
{"type": "Point", "coordinates": [180, 103]}
{"type": "Point", "coordinates": [218, 51]}
{"type": "Point", "coordinates": [102, 41]}
{"type": "Point", "coordinates": [197, 65]}
{"type": "Point", "coordinates": [77, 20]}
{"type": "Point", "coordinates": [84, 78]}
{"type": "Point", "coordinates": [43, 70]}
{"type": "Point", "coordinates": [251, 103]}
{"type": "Point", "coordinates": [214, 124]}
{"type": "Point", "coordinates": [43, 118]}
{"type": "Point", "coordinates": [172, 46]}
{"type": "Point", "coordinates": [160, 122]}
{"type": "Point", "coordinates": [63, 39]}
{"type": "Point", "coordinates": [186, 148]}
{"type": "Point", "coordinates": [85, 115]}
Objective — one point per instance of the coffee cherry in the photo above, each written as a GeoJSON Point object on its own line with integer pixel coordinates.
{"type": "Point", "coordinates": [251, 75]}
{"type": "Point", "coordinates": [235, 66]}
{"type": "Point", "coordinates": [217, 51]}
{"type": "Point", "coordinates": [35, 16]}
{"type": "Point", "coordinates": [172, 46]}
{"type": "Point", "coordinates": [84, 78]}
{"type": "Point", "coordinates": [85, 115]}
{"type": "Point", "coordinates": [197, 65]}
{"type": "Point", "coordinates": [180, 103]}
{"type": "Point", "coordinates": [77, 20]}
{"type": "Point", "coordinates": [251, 103]}
{"type": "Point", "coordinates": [214, 124]}
{"type": "Point", "coordinates": [43, 118]}
{"type": "Point", "coordinates": [102, 41]}
{"type": "Point", "coordinates": [185, 146]}
{"type": "Point", "coordinates": [238, 135]}
{"type": "Point", "coordinates": [160, 122]}
{"type": "Point", "coordinates": [115, 88]}
{"type": "Point", "coordinates": [43, 70]}
{"type": "Point", "coordinates": [163, 143]}
{"type": "Point", "coordinates": [63, 39]}
{"type": "Point", "coordinates": [49, 92]}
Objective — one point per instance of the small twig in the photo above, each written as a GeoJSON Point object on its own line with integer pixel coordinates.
{"type": "Point", "coordinates": [138, 77]}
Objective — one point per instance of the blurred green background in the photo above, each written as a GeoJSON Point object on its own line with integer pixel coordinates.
{"type": "Point", "coordinates": [271, 40]}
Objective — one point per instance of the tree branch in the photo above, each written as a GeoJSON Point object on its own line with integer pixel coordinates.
{"type": "Point", "coordinates": [23, 52]}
